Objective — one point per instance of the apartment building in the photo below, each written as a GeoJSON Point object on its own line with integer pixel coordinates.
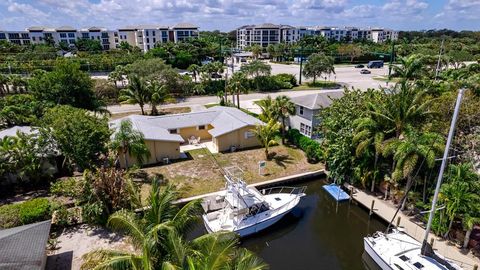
{"type": "Point", "coordinates": [267, 33]}
{"type": "Point", "coordinates": [143, 36]}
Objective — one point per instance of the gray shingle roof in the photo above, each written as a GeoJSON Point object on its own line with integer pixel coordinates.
{"type": "Point", "coordinates": [12, 132]}
{"type": "Point", "coordinates": [223, 120]}
{"type": "Point", "coordinates": [24, 247]}
{"type": "Point", "coordinates": [319, 100]}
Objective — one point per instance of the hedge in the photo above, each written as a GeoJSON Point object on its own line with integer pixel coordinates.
{"type": "Point", "coordinates": [312, 148]}
{"type": "Point", "coordinates": [27, 212]}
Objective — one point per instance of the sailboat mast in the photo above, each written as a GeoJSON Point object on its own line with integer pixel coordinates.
{"type": "Point", "coordinates": [442, 168]}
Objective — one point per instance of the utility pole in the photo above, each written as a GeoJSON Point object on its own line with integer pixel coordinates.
{"type": "Point", "coordinates": [437, 70]}
{"type": "Point", "coordinates": [301, 66]}
{"type": "Point", "coordinates": [392, 58]}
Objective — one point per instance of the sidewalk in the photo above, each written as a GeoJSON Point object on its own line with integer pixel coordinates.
{"type": "Point", "coordinates": [385, 210]}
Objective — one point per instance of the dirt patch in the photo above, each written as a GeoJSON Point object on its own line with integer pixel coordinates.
{"type": "Point", "coordinates": [76, 241]}
{"type": "Point", "coordinates": [161, 111]}
{"type": "Point", "coordinates": [201, 174]}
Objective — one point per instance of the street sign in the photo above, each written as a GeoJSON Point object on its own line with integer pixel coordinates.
{"type": "Point", "coordinates": [261, 166]}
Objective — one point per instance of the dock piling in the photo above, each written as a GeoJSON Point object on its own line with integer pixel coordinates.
{"type": "Point", "coordinates": [371, 207]}
{"type": "Point", "coordinates": [398, 221]}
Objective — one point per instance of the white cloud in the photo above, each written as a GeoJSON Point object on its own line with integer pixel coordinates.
{"type": "Point", "coordinates": [404, 8]}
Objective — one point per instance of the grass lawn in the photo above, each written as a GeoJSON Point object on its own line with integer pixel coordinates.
{"type": "Point", "coordinates": [161, 111]}
{"type": "Point", "coordinates": [385, 79]}
{"type": "Point", "coordinates": [201, 174]}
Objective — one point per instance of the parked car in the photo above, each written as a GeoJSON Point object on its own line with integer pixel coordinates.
{"type": "Point", "coordinates": [216, 76]}
{"type": "Point", "coordinates": [365, 71]}
{"type": "Point", "coordinates": [359, 66]}
{"type": "Point", "coordinates": [375, 64]}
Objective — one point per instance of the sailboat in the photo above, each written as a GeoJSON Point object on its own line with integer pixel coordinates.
{"type": "Point", "coordinates": [244, 209]}
{"type": "Point", "coordinates": [396, 250]}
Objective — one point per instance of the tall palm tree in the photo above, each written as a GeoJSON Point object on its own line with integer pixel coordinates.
{"type": "Point", "coordinates": [256, 50]}
{"type": "Point", "coordinates": [408, 151]}
{"type": "Point", "coordinates": [158, 94]}
{"type": "Point", "coordinates": [135, 93]}
{"type": "Point", "coordinates": [266, 134]}
{"type": "Point", "coordinates": [369, 136]}
{"type": "Point", "coordinates": [284, 108]}
{"type": "Point", "coordinates": [195, 70]}
{"type": "Point", "coordinates": [127, 140]}
{"type": "Point", "coordinates": [236, 84]}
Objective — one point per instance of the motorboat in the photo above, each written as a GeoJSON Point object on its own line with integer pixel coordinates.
{"type": "Point", "coordinates": [244, 209]}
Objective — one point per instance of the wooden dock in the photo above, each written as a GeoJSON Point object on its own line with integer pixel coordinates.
{"type": "Point", "coordinates": [386, 211]}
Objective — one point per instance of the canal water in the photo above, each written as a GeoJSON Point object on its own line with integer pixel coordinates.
{"type": "Point", "coordinates": [317, 234]}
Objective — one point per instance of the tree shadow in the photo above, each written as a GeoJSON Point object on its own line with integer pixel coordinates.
{"type": "Point", "coordinates": [282, 160]}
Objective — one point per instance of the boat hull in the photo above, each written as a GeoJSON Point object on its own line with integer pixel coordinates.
{"type": "Point", "coordinates": [375, 257]}
{"type": "Point", "coordinates": [261, 225]}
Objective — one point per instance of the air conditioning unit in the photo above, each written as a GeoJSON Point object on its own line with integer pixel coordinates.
{"type": "Point", "coordinates": [233, 148]}
{"type": "Point", "coordinates": [166, 160]}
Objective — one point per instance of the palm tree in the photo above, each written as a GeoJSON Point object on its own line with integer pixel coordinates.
{"type": "Point", "coordinates": [256, 50]}
{"type": "Point", "coordinates": [266, 134]}
{"type": "Point", "coordinates": [158, 95]}
{"type": "Point", "coordinates": [410, 68]}
{"type": "Point", "coordinates": [267, 107]}
{"type": "Point", "coordinates": [195, 70]}
{"type": "Point", "coordinates": [459, 193]}
{"type": "Point", "coordinates": [135, 93]}
{"type": "Point", "coordinates": [128, 140]}
{"type": "Point", "coordinates": [408, 151]}
{"type": "Point", "coordinates": [236, 84]}
{"type": "Point", "coordinates": [284, 108]}
{"type": "Point", "coordinates": [318, 63]}
{"type": "Point", "coordinates": [369, 134]}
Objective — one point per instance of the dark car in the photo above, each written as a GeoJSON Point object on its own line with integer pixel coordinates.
{"type": "Point", "coordinates": [216, 76]}
{"type": "Point", "coordinates": [359, 66]}
{"type": "Point", "coordinates": [375, 64]}
{"type": "Point", "coordinates": [365, 71]}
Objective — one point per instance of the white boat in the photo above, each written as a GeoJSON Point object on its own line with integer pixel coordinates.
{"type": "Point", "coordinates": [245, 210]}
{"type": "Point", "coordinates": [397, 250]}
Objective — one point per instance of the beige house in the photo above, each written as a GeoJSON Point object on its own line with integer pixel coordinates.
{"type": "Point", "coordinates": [223, 128]}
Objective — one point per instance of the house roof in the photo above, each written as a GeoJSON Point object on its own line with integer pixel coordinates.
{"type": "Point", "coordinates": [223, 120]}
{"type": "Point", "coordinates": [12, 132]}
{"type": "Point", "coordinates": [24, 247]}
{"type": "Point", "coordinates": [319, 100]}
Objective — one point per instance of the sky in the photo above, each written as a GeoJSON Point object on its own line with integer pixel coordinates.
{"type": "Point", "coordinates": [226, 15]}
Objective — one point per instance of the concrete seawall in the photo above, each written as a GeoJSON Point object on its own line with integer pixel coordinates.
{"type": "Point", "coordinates": [296, 178]}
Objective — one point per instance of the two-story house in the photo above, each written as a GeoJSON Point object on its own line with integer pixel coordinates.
{"type": "Point", "coordinates": [307, 108]}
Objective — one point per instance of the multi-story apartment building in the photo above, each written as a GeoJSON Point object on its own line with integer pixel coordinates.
{"type": "Point", "coordinates": [265, 34]}
{"type": "Point", "coordinates": [143, 36]}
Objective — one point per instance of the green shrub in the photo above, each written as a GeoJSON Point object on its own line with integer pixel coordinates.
{"type": "Point", "coordinates": [67, 187]}
{"type": "Point", "coordinates": [312, 148]}
{"type": "Point", "coordinates": [9, 216]}
{"type": "Point", "coordinates": [34, 210]}
{"type": "Point", "coordinates": [324, 84]}
{"type": "Point", "coordinates": [213, 87]}
{"type": "Point", "coordinates": [286, 78]}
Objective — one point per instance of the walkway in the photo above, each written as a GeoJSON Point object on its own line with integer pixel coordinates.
{"type": "Point", "coordinates": [386, 210]}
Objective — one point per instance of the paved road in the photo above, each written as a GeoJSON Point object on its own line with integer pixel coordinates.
{"type": "Point", "coordinates": [347, 75]}
{"type": "Point", "coordinates": [195, 103]}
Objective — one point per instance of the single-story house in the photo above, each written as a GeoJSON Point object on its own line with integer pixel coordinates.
{"type": "Point", "coordinates": [24, 247]}
{"type": "Point", "coordinates": [307, 108]}
{"type": "Point", "coordinates": [225, 127]}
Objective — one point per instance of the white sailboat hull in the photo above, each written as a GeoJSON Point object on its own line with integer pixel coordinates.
{"type": "Point", "coordinates": [375, 257]}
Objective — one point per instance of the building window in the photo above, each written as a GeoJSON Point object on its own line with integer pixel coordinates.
{"type": "Point", "coordinates": [300, 110]}
{"type": "Point", "coordinates": [305, 129]}
{"type": "Point", "coordinates": [249, 134]}
{"type": "Point", "coordinates": [63, 35]}
{"type": "Point", "coordinates": [71, 35]}
{"type": "Point", "coordinates": [85, 35]}
{"type": "Point", "coordinates": [148, 40]}
{"type": "Point", "coordinates": [173, 131]}
{"type": "Point", "coordinates": [201, 127]}
{"type": "Point", "coordinates": [154, 39]}
{"type": "Point", "coordinates": [33, 38]}
{"type": "Point", "coordinates": [153, 33]}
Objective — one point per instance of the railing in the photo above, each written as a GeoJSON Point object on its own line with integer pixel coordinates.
{"type": "Point", "coordinates": [284, 189]}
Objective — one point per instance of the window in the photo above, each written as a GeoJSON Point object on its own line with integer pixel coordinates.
{"type": "Point", "coordinates": [154, 39]}
{"type": "Point", "coordinates": [85, 35]}
{"type": "Point", "coordinates": [71, 35]}
{"type": "Point", "coordinates": [2, 36]}
{"type": "Point", "coordinates": [300, 110]}
{"type": "Point", "coordinates": [305, 129]}
{"type": "Point", "coordinates": [153, 33]}
{"type": "Point", "coordinates": [33, 38]}
{"type": "Point", "coordinates": [173, 131]}
{"type": "Point", "coordinates": [63, 35]}
{"type": "Point", "coordinates": [249, 134]}
{"type": "Point", "coordinates": [146, 33]}
{"type": "Point", "coordinates": [418, 265]}
{"type": "Point", "coordinates": [148, 47]}
{"type": "Point", "coordinates": [202, 127]}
